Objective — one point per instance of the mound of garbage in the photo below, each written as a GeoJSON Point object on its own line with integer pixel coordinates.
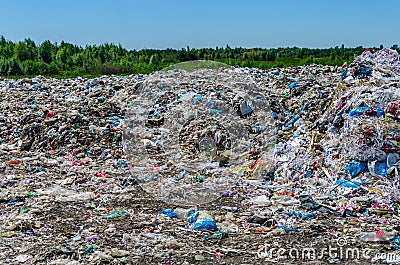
{"type": "Point", "coordinates": [218, 165]}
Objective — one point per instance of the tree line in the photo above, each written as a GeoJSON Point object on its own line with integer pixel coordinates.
{"type": "Point", "coordinates": [27, 58]}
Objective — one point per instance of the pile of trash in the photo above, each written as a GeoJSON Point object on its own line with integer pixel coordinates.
{"type": "Point", "coordinates": [191, 135]}
{"type": "Point", "coordinates": [219, 165]}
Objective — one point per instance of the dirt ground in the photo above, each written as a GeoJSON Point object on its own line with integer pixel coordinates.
{"type": "Point", "coordinates": [59, 232]}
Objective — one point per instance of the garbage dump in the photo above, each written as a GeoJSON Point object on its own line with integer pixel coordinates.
{"type": "Point", "coordinates": [192, 135]}
{"type": "Point", "coordinates": [216, 165]}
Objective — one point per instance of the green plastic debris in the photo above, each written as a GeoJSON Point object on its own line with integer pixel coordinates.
{"type": "Point", "coordinates": [220, 234]}
{"type": "Point", "coordinates": [116, 214]}
{"type": "Point", "coordinates": [89, 249]}
{"type": "Point", "coordinates": [31, 194]}
{"type": "Point", "coordinates": [208, 151]}
{"type": "Point", "coordinates": [123, 259]}
{"type": "Point", "coordinates": [90, 205]}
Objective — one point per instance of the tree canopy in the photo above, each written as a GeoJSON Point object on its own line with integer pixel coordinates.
{"type": "Point", "coordinates": [68, 60]}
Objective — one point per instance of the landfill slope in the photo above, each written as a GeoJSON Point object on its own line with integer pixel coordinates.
{"type": "Point", "coordinates": [321, 172]}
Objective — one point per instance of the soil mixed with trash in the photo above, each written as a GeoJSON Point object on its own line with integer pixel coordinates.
{"type": "Point", "coordinates": [209, 166]}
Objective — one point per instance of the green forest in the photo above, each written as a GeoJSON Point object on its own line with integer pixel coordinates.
{"type": "Point", "coordinates": [62, 60]}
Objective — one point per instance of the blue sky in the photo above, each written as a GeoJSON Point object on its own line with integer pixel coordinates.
{"type": "Point", "coordinates": [204, 23]}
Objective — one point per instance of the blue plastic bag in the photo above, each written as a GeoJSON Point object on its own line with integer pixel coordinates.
{"type": "Point", "coordinates": [169, 212]}
{"type": "Point", "coordinates": [292, 85]}
{"type": "Point", "coordinates": [101, 99]}
{"type": "Point", "coordinates": [205, 222]}
{"type": "Point", "coordinates": [381, 168]}
{"type": "Point", "coordinates": [396, 240]}
{"type": "Point", "coordinates": [288, 229]}
{"type": "Point", "coordinates": [245, 109]}
{"type": "Point", "coordinates": [380, 112]}
{"type": "Point", "coordinates": [295, 117]}
{"type": "Point", "coordinates": [355, 168]}
{"type": "Point", "coordinates": [198, 98]}
{"type": "Point", "coordinates": [192, 215]}
{"type": "Point", "coordinates": [348, 184]}
{"type": "Point", "coordinates": [361, 110]}
{"type": "Point", "coordinates": [358, 111]}
{"type": "Point", "coordinates": [308, 216]}
{"type": "Point", "coordinates": [215, 111]}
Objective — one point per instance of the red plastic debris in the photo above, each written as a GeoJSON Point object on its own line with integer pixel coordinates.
{"type": "Point", "coordinates": [13, 162]}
